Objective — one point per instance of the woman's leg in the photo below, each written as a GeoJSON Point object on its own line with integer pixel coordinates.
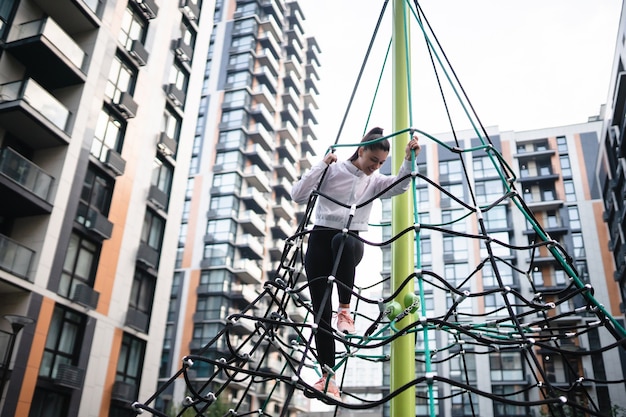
{"type": "Point", "coordinates": [318, 262]}
{"type": "Point", "coordinates": [351, 255]}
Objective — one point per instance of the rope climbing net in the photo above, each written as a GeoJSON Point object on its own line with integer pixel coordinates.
{"type": "Point", "coordinates": [267, 349]}
{"type": "Point", "coordinates": [534, 337]}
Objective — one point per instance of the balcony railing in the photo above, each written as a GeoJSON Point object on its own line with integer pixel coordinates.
{"type": "Point", "coordinates": [14, 257]}
{"type": "Point", "coordinates": [41, 100]}
{"type": "Point", "coordinates": [25, 173]}
{"type": "Point", "coordinates": [53, 32]}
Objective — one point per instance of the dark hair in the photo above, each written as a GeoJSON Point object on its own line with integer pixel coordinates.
{"type": "Point", "coordinates": [373, 134]}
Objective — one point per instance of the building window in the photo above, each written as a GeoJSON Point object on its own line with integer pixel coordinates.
{"type": "Point", "coordinates": [574, 217]}
{"type": "Point", "coordinates": [511, 392]}
{"type": "Point", "coordinates": [171, 124]}
{"type": "Point", "coordinates": [64, 341]}
{"type": "Point", "coordinates": [95, 195]}
{"type": "Point", "coordinates": [489, 276]}
{"type": "Point", "coordinates": [570, 192]}
{"type": "Point", "coordinates": [224, 206]}
{"type": "Point", "coordinates": [484, 167]}
{"type": "Point", "coordinates": [496, 218]}
{"type": "Point", "coordinates": [108, 135]}
{"type": "Point", "coordinates": [179, 77]}
{"type": "Point", "coordinates": [566, 168]}
{"type": "Point", "coordinates": [561, 144]}
{"type": "Point", "coordinates": [222, 230]}
{"type": "Point", "coordinates": [153, 229]}
{"type": "Point", "coordinates": [130, 362]}
{"type": "Point", "coordinates": [133, 28]}
{"type": "Point", "coordinates": [6, 9]}
{"type": "Point", "coordinates": [232, 139]}
{"type": "Point", "coordinates": [506, 366]}
{"type": "Point", "coordinates": [227, 183]}
{"type": "Point", "coordinates": [489, 191]}
{"type": "Point", "coordinates": [237, 98]}
{"type": "Point", "coordinates": [121, 80]}
{"type": "Point", "coordinates": [454, 220]}
{"type": "Point", "coordinates": [239, 79]}
{"type": "Point", "coordinates": [234, 119]}
{"type": "Point", "coordinates": [212, 308]}
{"type": "Point", "coordinates": [229, 161]}
{"type": "Point", "coordinates": [455, 190]}
{"type": "Point", "coordinates": [497, 248]}
{"type": "Point", "coordinates": [142, 292]}
{"type": "Point", "coordinates": [578, 245]}
{"type": "Point", "coordinates": [217, 281]}
{"type": "Point", "coordinates": [243, 44]}
{"type": "Point", "coordinates": [221, 254]}
{"type": "Point", "coordinates": [456, 275]}
{"type": "Point", "coordinates": [455, 248]}
{"type": "Point", "coordinates": [450, 171]}
{"type": "Point", "coordinates": [162, 174]}
{"type": "Point", "coordinates": [79, 266]}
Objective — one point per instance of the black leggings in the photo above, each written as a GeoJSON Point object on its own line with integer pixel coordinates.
{"type": "Point", "coordinates": [323, 246]}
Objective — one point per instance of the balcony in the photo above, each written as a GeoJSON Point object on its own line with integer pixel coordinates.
{"type": "Point", "coordinates": [139, 53]}
{"type": "Point", "coordinates": [273, 8]}
{"type": "Point", "coordinates": [166, 145]}
{"type": "Point", "coordinates": [24, 184]}
{"type": "Point", "coordinates": [309, 115]}
{"type": "Point", "coordinates": [147, 255]}
{"type": "Point", "coordinates": [126, 105]}
{"type": "Point", "coordinates": [288, 131]}
{"type": "Point", "coordinates": [190, 9]}
{"type": "Point", "coordinates": [294, 64]}
{"type": "Point", "coordinates": [250, 247]}
{"type": "Point", "coordinates": [262, 115]}
{"type": "Point", "coordinates": [31, 113]}
{"type": "Point", "coordinates": [14, 257]}
{"type": "Point", "coordinates": [290, 97]}
{"type": "Point", "coordinates": [259, 157]}
{"type": "Point", "coordinates": [287, 150]}
{"type": "Point", "coordinates": [69, 376]}
{"type": "Point", "coordinates": [183, 51]}
{"type": "Point", "coordinates": [86, 296]}
{"type": "Point", "coordinates": [175, 95]}
{"type": "Point", "coordinates": [263, 95]}
{"type": "Point", "coordinates": [282, 188]}
{"type": "Point", "coordinates": [306, 161]}
{"type": "Point", "coordinates": [138, 320]}
{"type": "Point", "coordinates": [260, 135]}
{"type": "Point", "coordinates": [292, 80]}
{"type": "Point", "coordinates": [310, 84]}
{"type": "Point", "coordinates": [284, 168]}
{"type": "Point", "coordinates": [74, 16]}
{"type": "Point", "coordinates": [308, 131]}
{"type": "Point", "coordinates": [269, 23]}
{"type": "Point", "coordinates": [258, 179]}
{"type": "Point", "coordinates": [148, 8]}
{"type": "Point", "coordinates": [276, 249]}
{"type": "Point", "coordinates": [248, 271]}
{"type": "Point", "coordinates": [284, 209]}
{"type": "Point", "coordinates": [124, 392]}
{"type": "Point", "coordinates": [266, 59]}
{"type": "Point", "coordinates": [50, 55]}
{"type": "Point", "coordinates": [115, 162]}
{"type": "Point", "coordinates": [265, 76]}
{"type": "Point", "coordinates": [281, 230]}
{"type": "Point", "coordinates": [99, 224]}
{"type": "Point", "coordinates": [289, 114]}
{"type": "Point", "coordinates": [158, 197]}
{"type": "Point", "coordinates": [252, 223]}
{"type": "Point", "coordinates": [268, 41]}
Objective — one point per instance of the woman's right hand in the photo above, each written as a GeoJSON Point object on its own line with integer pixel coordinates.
{"type": "Point", "coordinates": [330, 158]}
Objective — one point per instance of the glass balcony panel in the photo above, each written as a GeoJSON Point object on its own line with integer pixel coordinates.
{"type": "Point", "coordinates": [25, 173]}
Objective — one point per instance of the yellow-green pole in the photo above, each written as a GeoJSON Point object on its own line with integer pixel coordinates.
{"type": "Point", "coordinates": [402, 257]}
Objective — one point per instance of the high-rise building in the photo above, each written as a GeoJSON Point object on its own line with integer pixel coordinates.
{"type": "Point", "coordinates": [98, 108]}
{"type": "Point", "coordinates": [611, 168]}
{"type": "Point", "coordinates": [255, 134]}
{"type": "Point", "coordinates": [555, 172]}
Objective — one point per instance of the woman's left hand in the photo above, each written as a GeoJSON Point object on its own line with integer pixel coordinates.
{"type": "Point", "coordinates": [412, 145]}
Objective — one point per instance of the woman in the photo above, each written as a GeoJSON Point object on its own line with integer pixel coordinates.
{"type": "Point", "coordinates": [350, 182]}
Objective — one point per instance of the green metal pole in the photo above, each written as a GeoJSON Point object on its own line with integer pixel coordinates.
{"type": "Point", "coordinates": [402, 257]}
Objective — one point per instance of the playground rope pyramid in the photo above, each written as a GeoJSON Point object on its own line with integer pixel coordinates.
{"type": "Point", "coordinates": [267, 349]}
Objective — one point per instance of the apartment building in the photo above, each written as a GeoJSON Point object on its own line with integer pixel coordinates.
{"type": "Point", "coordinates": [611, 163]}
{"type": "Point", "coordinates": [94, 133]}
{"type": "Point", "coordinates": [554, 170]}
{"type": "Point", "coordinates": [255, 134]}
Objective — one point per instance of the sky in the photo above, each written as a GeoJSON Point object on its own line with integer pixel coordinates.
{"type": "Point", "coordinates": [523, 64]}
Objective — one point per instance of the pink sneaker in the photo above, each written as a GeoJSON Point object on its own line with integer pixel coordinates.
{"type": "Point", "coordinates": [328, 387]}
{"type": "Point", "coordinates": [345, 323]}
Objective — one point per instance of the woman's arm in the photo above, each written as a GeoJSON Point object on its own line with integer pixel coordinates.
{"type": "Point", "coordinates": [304, 186]}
